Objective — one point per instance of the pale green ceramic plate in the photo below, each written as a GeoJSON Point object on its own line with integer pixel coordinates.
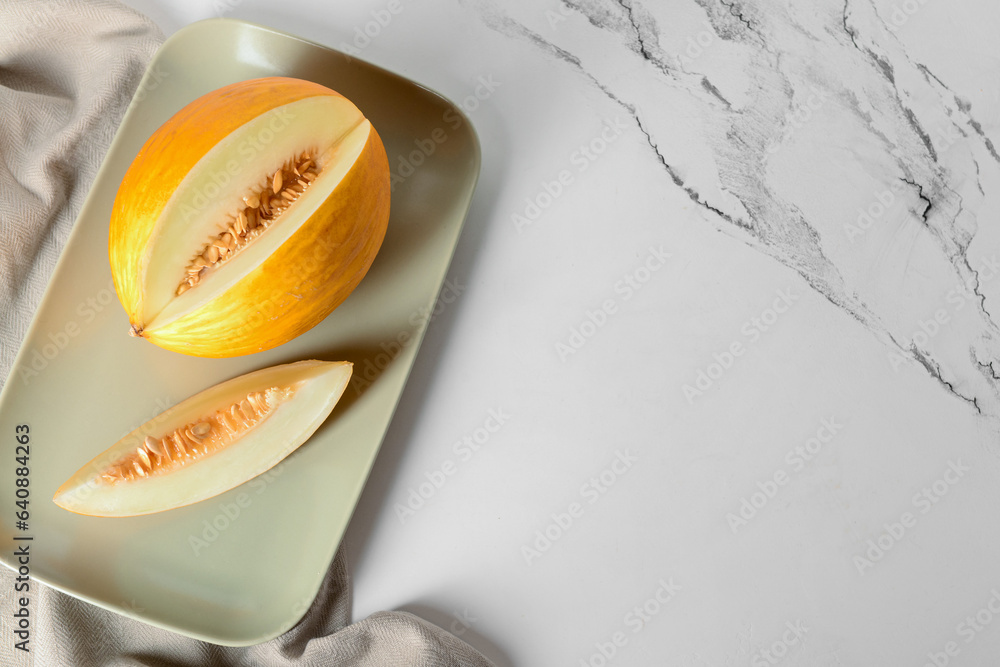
{"type": "Point", "coordinates": [243, 567]}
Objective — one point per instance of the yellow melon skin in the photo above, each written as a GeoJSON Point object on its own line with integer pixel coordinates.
{"type": "Point", "coordinates": [300, 282]}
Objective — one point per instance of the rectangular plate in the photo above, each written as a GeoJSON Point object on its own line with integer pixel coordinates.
{"type": "Point", "coordinates": [242, 567]}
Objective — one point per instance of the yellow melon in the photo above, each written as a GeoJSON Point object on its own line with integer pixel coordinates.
{"type": "Point", "coordinates": [248, 217]}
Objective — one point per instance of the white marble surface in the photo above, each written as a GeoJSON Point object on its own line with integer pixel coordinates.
{"type": "Point", "coordinates": [804, 186]}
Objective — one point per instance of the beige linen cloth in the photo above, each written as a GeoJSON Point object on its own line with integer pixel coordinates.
{"type": "Point", "coordinates": [68, 69]}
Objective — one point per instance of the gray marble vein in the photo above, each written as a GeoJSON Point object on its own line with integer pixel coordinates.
{"type": "Point", "coordinates": [843, 84]}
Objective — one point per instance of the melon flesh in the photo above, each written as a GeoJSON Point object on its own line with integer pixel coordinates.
{"type": "Point", "coordinates": [307, 393]}
{"type": "Point", "coordinates": [190, 217]}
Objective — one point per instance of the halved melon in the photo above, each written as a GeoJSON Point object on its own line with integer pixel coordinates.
{"type": "Point", "coordinates": [248, 217]}
{"type": "Point", "coordinates": [209, 443]}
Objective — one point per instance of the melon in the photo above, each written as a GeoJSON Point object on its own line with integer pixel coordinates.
{"type": "Point", "coordinates": [210, 443]}
{"type": "Point", "coordinates": [248, 217]}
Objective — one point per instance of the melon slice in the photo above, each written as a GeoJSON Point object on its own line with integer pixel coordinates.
{"type": "Point", "coordinates": [209, 443]}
